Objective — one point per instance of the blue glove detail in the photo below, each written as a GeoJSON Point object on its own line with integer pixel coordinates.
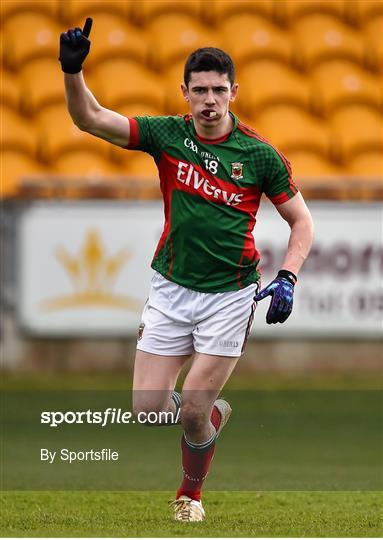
{"type": "Point", "coordinates": [281, 290]}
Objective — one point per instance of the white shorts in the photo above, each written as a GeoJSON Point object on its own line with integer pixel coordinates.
{"type": "Point", "coordinates": [178, 321]}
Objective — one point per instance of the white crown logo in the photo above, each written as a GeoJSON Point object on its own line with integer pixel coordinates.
{"type": "Point", "coordinates": [92, 274]}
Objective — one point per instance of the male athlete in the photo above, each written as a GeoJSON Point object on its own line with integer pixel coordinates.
{"type": "Point", "coordinates": [213, 170]}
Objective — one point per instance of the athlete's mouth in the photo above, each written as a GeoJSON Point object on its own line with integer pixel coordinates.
{"type": "Point", "coordinates": [209, 113]}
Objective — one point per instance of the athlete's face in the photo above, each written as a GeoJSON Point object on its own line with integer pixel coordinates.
{"type": "Point", "coordinates": [209, 95]}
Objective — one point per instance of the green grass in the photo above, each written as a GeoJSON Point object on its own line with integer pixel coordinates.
{"type": "Point", "coordinates": [284, 435]}
{"type": "Point", "coordinates": [229, 514]}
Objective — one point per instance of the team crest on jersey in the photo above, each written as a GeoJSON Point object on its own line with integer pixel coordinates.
{"type": "Point", "coordinates": [237, 170]}
{"type": "Point", "coordinates": [140, 331]}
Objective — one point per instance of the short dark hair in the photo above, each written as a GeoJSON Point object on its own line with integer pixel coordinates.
{"type": "Point", "coordinates": [209, 59]}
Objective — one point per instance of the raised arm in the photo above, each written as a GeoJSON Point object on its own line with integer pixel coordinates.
{"type": "Point", "coordinates": [83, 107]}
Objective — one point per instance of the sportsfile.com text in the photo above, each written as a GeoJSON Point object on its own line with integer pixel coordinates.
{"type": "Point", "coordinates": [110, 415]}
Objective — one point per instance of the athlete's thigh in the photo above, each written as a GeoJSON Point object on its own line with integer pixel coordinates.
{"type": "Point", "coordinates": [154, 380]}
{"type": "Point", "coordinates": [156, 372]}
{"type": "Point", "coordinates": [206, 378]}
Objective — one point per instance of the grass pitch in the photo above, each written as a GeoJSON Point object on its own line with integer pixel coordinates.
{"type": "Point", "coordinates": [312, 441]}
{"type": "Point", "coordinates": [229, 514]}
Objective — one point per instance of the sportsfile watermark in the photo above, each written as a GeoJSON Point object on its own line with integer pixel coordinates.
{"type": "Point", "coordinates": [111, 415]}
{"type": "Point", "coordinates": [275, 440]}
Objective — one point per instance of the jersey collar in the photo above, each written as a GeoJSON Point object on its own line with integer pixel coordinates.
{"type": "Point", "coordinates": [223, 138]}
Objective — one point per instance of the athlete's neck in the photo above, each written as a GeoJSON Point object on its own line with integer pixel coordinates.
{"type": "Point", "coordinates": [221, 129]}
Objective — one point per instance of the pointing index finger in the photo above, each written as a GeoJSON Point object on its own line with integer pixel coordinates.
{"type": "Point", "coordinates": [87, 27]}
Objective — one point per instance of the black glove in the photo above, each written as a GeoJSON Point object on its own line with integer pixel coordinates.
{"type": "Point", "coordinates": [74, 47]}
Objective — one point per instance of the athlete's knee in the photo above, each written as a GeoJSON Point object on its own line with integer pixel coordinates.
{"type": "Point", "coordinates": [148, 408]}
{"type": "Point", "coordinates": [193, 417]}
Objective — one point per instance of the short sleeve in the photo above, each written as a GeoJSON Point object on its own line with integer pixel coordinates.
{"type": "Point", "coordinates": [279, 185]}
{"type": "Point", "coordinates": [150, 134]}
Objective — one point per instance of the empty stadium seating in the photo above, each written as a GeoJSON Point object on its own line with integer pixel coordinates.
{"type": "Point", "coordinates": [336, 83]}
{"type": "Point", "coordinates": [148, 10]}
{"type": "Point", "coordinates": [259, 39]}
{"type": "Point", "coordinates": [120, 82]}
{"type": "Point", "coordinates": [142, 165]}
{"type": "Point", "coordinates": [74, 12]}
{"type": "Point", "coordinates": [266, 83]}
{"type": "Point", "coordinates": [16, 133]}
{"type": "Point", "coordinates": [15, 168]}
{"type": "Point", "coordinates": [112, 38]}
{"type": "Point", "coordinates": [222, 11]}
{"type": "Point", "coordinates": [10, 90]}
{"type": "Point", "coordinates": [54, 143]}
{"type": "Point", "coordinates": [329, 39]}
{"type": "Point", "coordinates": [40, 38]}
{"type": "Point", "coordinates": [373, 32]}
{"type": "Point", "coordinates": [175, 102]}
{"type": "Point", "coordinates": [42, 82]}
{"type": "Point", "coordinates": [369, 9]}
{"type": "Point", "coordinates": [367, 164]}
{"type": "Point", "coordinates": [309, 74]}
{"type": "Point", "coordinates": [356, 129]}
{"type": "Point", "coordinates": [84, 164]}
{"type": "Point", "coordinates": [173, 37]}
{"type": "Point", "coordinates": [291, 128]}
{"type": "Point", "coordinates": [288, 12]}
{"type": "Point", "coordinates": [9, 8]}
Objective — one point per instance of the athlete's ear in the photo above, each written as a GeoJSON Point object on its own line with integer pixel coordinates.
{"type": "Point", "coordinates": [185, 92]}
{"type": "Point", "coordinates": [233, 91]}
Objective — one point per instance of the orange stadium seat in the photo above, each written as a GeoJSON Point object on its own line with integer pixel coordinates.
{"type": "Point", "coordinates": [287, 11]}
{"type": "Point", "coordinates": [85, 164]}
{"type": "Point", "coordinates": [58, 135]}
{"type": "Point", "coordinates": [308, 164]}
{"type": "Point", "coordinates": [11, 7]}
{"type": "Point", "coordinates": [112, 37]}
{"type": "Point", "coordinates": [356, 129]}
{"type": "Point", "coordinates": [373, 32]}
{"type": "Point", "coordinates": [16, 166]}
{"type": "Point", "coordinates": [259, 39]}
{"type": "Point", "coordinates": [174, 77]}
{"type": "Point", "coordinates": [368, 163]}
{"type": "Point", "coordinates": [74, 12]}
{"type": "Point", "coordinates": [10, 90]}
{"type": "Point", "coordinates": [146, 11]}
{"type": "Point", "coordinates": [42, 84]}
{"type": "Point", "coordinates": [40, 38]}
{"type": "Point", "coordinates": [16, 133]}
{"type": "Point", "coordinates": [267, 83]}
{"type": "Point", "coordinates": [173, 37]}
{"type": "Point", "coordinates": [222, 10]}
{"type": "Point", "coordinates": [141, 164]}
{"type": "Point", "coordinates": [337, 83]}
{"type": "Point", "coordinates": [321, 37]}
{"type": "Point", "coordinates": [291, 128]}
{"type": "Point", "coordinates": [140, 109]}
{"type": "Point", "coordinates": [120, 82]}
{"type": "Point", "coordinates": [316, 176]}
{"type": "Point", "coordinates": [142, 167]}
{"type": "Point", "coordinates": [369, 9]}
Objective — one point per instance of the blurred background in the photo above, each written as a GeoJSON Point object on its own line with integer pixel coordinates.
{"type": "Point", "coordinates": [80, 218]}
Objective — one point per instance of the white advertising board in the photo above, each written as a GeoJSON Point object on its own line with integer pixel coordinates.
{"type": "Point", "coordinates": [84, 269]}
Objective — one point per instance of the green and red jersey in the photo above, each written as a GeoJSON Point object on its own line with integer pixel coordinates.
{"type": "Point", "coordinates": [211, 190]}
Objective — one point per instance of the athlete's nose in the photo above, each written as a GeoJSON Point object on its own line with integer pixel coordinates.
{"type": "Point", "coordinates": [210, 98]}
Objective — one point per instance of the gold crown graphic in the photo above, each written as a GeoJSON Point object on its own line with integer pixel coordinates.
{"type": "Point", "coordinates": [92, 274]}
